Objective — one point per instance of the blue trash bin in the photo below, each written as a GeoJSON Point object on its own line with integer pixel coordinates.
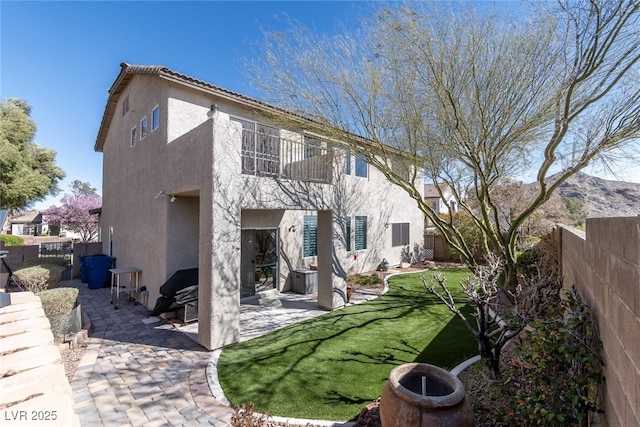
{"type": "Point", "coordinates": [84, 273]}
{"type": "Point", "coordinates": [98, 270]}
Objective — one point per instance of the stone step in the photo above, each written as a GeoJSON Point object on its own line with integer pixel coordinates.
{"type": "Point", "coordinates": [25, 340]}
{"type": "Point", "coordinates": [48, 409]}
{"type": "Point", "coordinates": [24, 325]}
{"type": "Point", "coordinates": [49, 379]}
{"type": "Point", "coordinates": [20, 307]}
{"type": "Point", "coordinates": [20, 361]}
{"type": "Point", "coordinates": [16, 316]}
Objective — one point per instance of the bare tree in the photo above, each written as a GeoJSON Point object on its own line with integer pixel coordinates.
{"type": "Point", "coordinates": [495, 322]}
{"type": "Point", "coordinates": [473, 98]}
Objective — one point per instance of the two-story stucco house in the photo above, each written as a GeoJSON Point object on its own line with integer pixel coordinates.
{"type": "Point", "coordinates": [197, 176]}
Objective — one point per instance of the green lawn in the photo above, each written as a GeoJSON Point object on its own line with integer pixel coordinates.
{"type": "Point", "coordinates": [331, 366]}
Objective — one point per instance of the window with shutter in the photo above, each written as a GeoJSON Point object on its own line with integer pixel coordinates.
{"type": "Point", "coordinates": [400, 234]}
{"type": "Point", "coordinates": [310, 236]}
{"type": "Point", "coordinates": [360, 233]}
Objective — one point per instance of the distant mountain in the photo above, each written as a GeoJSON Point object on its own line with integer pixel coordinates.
{"type": "Point", "coordinates": [601, 197]}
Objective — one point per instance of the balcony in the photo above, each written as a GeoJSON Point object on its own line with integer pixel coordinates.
{"type": "Point", "coordinates": [265, 153]}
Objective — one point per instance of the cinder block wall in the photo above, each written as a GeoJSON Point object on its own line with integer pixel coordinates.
{"type": "Point", "coordinates": [604, 265]}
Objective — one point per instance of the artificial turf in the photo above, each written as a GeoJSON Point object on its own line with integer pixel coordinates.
{"type": "Point", "coordinates": [331, 366]}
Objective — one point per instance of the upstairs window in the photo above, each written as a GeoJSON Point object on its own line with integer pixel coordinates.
{"type": "Point", "coordinates": [400, 234]}
{"type": "Point", "coordinates": [134, 134]}
{"type": "Point", "coordinates": [310, 236]}
{"type": "Point", "coordinates": [155, 118]}
{"type": "Point", "coordinates": [312, 147]}
{"type": "Point", "coordinates": [143, 128]}
{"type": "Point", "coordinates": [360, 233]}
{"type": "Point", "coordinates": [361, 166]}
{"type": "Point", "coordinates": [125, 105]}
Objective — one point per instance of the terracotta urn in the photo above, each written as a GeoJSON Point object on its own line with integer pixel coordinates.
{"type": "Point", "coordinates": [423, 395]}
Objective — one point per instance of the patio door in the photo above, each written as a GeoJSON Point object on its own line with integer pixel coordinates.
{"type": "Point", "coordinates": [259, 261]}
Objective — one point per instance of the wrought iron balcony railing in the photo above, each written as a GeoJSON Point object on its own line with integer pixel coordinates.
{"type": "Point", "coordinates": [265, 153]}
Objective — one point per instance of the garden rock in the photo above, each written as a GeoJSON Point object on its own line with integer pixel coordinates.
{"type": "Point", "coordinates": [370, 415]}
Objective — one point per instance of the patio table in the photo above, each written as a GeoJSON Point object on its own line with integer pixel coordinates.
{"type": "Point", "coordinates": [133, 286]}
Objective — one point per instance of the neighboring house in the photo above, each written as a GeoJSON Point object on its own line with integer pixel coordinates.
{"type": "Point", "coordinates": [441, 198]}
{"type": "Point", "coordinates": [4, 214]}
{"type": "Point", "coordinates": [197, 176]}
{"type": "Point", "coordinates": [28, 224]}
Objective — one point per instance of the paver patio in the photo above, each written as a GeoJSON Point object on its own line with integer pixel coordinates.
{"type": "Point", "coordinates": [137, 373]}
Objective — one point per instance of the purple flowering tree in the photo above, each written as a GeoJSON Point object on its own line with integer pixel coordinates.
{"type": "Point", "coordinates": [74, 213]}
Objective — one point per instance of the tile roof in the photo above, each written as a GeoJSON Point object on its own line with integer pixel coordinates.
{"type": "Point", "coordinates": [27, 218]}
{"type": "Point", "coordinates": [431, 191]}
{"type": "Point", "coordinates": [128, 71]}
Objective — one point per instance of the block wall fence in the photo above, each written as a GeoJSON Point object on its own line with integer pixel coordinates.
{"type": "Point", "coordinates": [604, 265]}
{"type": "Point", "coordinates": [19, 254]}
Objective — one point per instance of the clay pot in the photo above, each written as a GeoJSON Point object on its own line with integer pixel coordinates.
{"type": "Point", "coordinates": [423, 395]}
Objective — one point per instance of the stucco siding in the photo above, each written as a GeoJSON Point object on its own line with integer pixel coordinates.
{"type": "Point", "coordinates": [178, 199]}
{"type": "Point", "coordinates": [138, 183]}
{"type": "Point", "coordinates": [188, 111]}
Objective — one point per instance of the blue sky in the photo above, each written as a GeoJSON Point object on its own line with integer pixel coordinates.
{"type": "Point", "coordinates": [61, 57]}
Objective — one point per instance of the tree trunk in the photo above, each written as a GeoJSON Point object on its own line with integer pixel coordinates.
{"type": "Point", "coordinates": [490, 355]}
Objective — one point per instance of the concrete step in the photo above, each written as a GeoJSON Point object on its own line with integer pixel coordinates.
{"type": "Point", "coordinates": [270, 299]}
{"type": "Point", "coordinates": [268, 293]}
{"type": "Point", "coordinates": [270, 302]}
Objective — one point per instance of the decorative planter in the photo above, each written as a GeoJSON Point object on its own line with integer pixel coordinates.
{"type": "Point", "coordinates": [422, 395]}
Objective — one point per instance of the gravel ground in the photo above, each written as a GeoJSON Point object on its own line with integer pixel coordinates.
{"type": "Point", "coordinates": [71, 358]}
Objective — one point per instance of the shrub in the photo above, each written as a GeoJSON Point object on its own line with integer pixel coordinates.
{"type": "Point", "coordinates": [39, 277]}
{"type": "Point", "coordinates": [61, 261]}
{"type": "Point", "coordinates": [59, 301]}
{"type": "Point", "coordinates": [58, 305]}
{"type": "Point", "coordinates": [11, 240]}
{"type": "Point", "coordinates": [364, 279]}
{"type": "Point", "coordinates": [527, 262]}
{"type": "Point", "coordinates": [558, 368]}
